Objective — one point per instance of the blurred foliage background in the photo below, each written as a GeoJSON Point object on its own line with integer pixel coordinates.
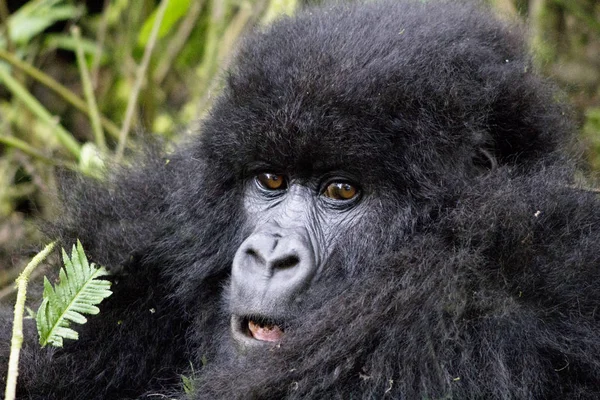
{"type": "Point", "coordinates": [82, 83]}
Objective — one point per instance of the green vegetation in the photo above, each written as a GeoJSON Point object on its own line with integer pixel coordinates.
{"type": "Point", "coordinates": [78, 292]}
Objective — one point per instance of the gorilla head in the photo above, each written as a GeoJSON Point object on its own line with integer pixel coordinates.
{"type": "Point", "coordinates": [379, 204]}
{"type": "Point", "coordinates": [341, 130]}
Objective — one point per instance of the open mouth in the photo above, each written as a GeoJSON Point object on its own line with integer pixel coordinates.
{"type": "Point", "coordinates": [249, 329]}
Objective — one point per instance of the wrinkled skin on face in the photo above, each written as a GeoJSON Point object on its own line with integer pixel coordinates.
{"type": "Point", "coordinates": [296, 224]}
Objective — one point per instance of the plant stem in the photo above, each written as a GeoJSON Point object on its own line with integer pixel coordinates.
{"type": "Point", "coordinates": [88, 90]}
{"type": "Point", "coordinates": [141, 74]}
{"type": "Point", "coordinates": [4, 17]}
{"type": "Point", "coordinates": [226, 45]}
{"type": "Point", "coordinates": [178, 41]}
{"type": "Point", "coordinates": [100, 38]}
{"type": "Point", "coordinates": [63, 136]}
{"type": "Point", "coordinates": [580, 12]}
{"type": "Point", "coordinates": [59, 89]}
{"type": "Point", "coordinates": [28, 149]}
{"type": "Point", "coordinates": [17, 334]}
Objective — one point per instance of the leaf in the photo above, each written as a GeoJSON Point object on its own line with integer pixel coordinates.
{"type": "Point", "coordinates": [77, 292]}
{"type": "Point", "coordinates": [91, 162]}
{"type": "Point", "coordinates": [189, 384]}
{"type": "Point", "coordinates": [66, 42]}
{"type": "Point", "coordinates": [35, 16]}
{"type": "Point", "coordinates": [175, 10]}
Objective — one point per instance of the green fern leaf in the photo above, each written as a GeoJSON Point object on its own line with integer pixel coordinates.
{"type": "Point", "coordinates": [77, 292]}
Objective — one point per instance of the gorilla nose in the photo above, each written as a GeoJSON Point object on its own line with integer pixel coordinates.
{"type": "Point", "coordinates": [279, 264]}
{"type": "Point", "coordinates": [271, 255]}
{"type": "Point", "coordinates": [274, 253]}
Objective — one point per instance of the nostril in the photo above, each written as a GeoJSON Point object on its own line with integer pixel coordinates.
{"type": "Point", "coordinates": [285, 263]}
{"type": "Point", "coordinates": [255, 255]}
{"type": "Point", "coordinates": [251, 252]}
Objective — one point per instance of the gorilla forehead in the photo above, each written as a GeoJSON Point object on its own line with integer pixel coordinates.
{"type": "Point", "coordinates": [305, 86]}
{"type": "Point", "coordinates": [406, 102]}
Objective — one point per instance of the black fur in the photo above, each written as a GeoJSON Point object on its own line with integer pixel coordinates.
{"type": "Point", "coordinates": [475, 276]}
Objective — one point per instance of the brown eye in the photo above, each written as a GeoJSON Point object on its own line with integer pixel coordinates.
{"type": "Point", "coordinates": [271, 181]}
{"type": "Point", "coordinates": [340, 191]}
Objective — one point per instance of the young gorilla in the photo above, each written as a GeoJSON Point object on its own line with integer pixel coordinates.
{"type": "Point", "coordinates": [378, 206]}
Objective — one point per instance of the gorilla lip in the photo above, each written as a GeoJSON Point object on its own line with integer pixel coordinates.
{"type": "Point", "coordinates": [264, 331]}
{"type": "Point", "coordinates": [258, 328]}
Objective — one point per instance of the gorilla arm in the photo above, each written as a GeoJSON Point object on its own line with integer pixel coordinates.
{"type": "Point", "coordinates": [115, 222]}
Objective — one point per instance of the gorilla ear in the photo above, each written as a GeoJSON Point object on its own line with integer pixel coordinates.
{"type": "Point", "coordinates": [529, 121]}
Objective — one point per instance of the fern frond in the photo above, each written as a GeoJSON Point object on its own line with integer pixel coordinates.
{"type": "Point", "coordinates": [77, 292]}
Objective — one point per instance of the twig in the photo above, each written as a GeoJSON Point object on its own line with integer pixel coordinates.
{"type": "Point", "coordinates": [17, 333]}
{"type": "Point", "coordinates": [88, 90]}
{"type": "Point", "coordinates": [141, 73]}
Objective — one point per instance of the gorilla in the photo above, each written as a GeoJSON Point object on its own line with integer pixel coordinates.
{"type": "Point", "coordinates": [382, 203]}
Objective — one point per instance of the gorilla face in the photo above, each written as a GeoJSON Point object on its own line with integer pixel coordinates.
{"type": "Point", "coordinates": [296, 224]}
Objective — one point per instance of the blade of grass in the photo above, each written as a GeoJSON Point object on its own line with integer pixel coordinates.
{"type": "Point", "coordinates": [28, 149]}
{"type": "Point", "coordinates": [580, 12]}
{"type": "Point", "coordinates": [226, 46]}
{"type": "Point", "coordinates": [100, 38]}
{"type": "Point", "coordinates": [141, 75]}
{"type": "Point", "coordinates": [179, 40]}
{"type": "Point", "coordinates": [88, 90]}
{"type": "Point", "coordinates": [18, 90]}
{"type": "Point", "coordinates": [216, 24]}
{"type": "Point", "coordinates": [277, 8]}
{"type": "Point", "coordinates": [4, 16]}
{"type": "Point", "coordinates": [59, 89]}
